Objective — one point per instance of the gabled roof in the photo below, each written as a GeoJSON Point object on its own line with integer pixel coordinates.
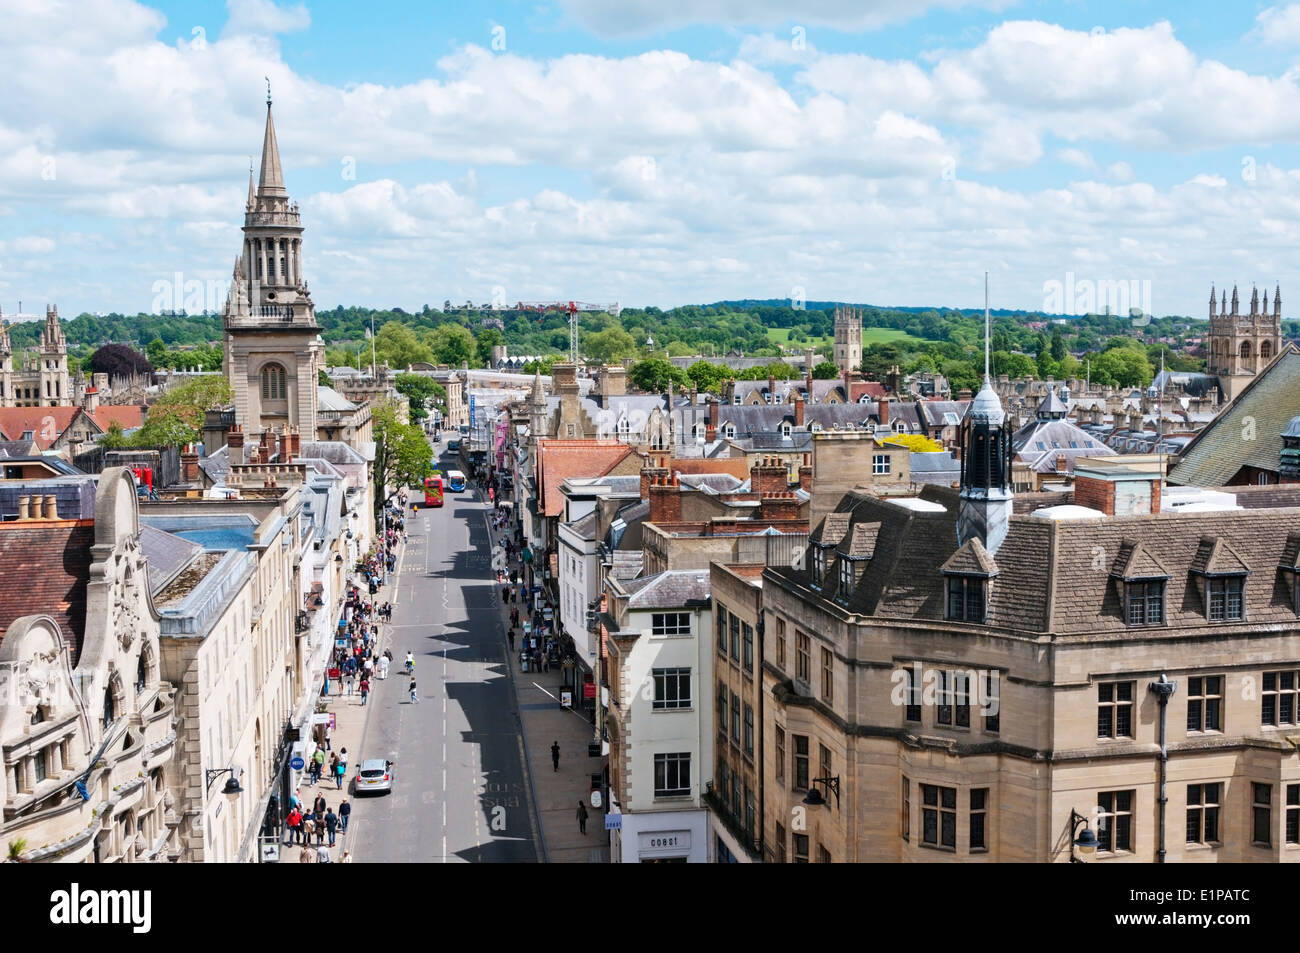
{"type": "Point", "coordinates": [970, 559]}
{"type": "Point", "coordinates": [671, 589]}
{"type": "Point", "coordinates": [1214, 557]}
{"type": "Point", "coordinates": [560, 460]}
{"type": "Point", "coordinates": [860, 543]}
{"type": "Point", "coordinates": [1134, 562]}
{"type": "Point", "coordinates": [127, 416]}
{"type": "Point", "coordinates": [832, 529]}
{"type": "Point", "coordinates": [166, 555]}
{"type": "Point", "coordinates": [45, 423]}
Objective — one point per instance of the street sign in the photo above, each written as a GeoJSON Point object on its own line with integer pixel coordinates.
{"type": "Point", "coordinates": [271, 850]}
{"type": "Point", "coordinates": [613, 822]}
{"type": "Point", "coordinates": [595, 799]}
{"type": "Point", "coordinates": [297, 764]}
{"type": "Point", "coordinates": [566, 698]}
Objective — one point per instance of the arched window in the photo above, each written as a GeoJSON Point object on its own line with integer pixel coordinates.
{"type": "Point", "coordinates": [1245, 350]}
{"type": "Point", "coordinates": [273, 383]}
{"type": "Point", "coordinates": [623, 427]}
{"type": "Point", "coordinates": [1266, 350]}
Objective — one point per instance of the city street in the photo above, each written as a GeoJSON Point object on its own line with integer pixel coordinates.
{"type": "Point", "coordinates": [460, 787]}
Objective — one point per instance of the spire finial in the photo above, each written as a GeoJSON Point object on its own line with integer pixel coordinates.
{"type": "Point", "coordinates": [268, 91]}
{"type": "Point", "coordinates": [986, 327]}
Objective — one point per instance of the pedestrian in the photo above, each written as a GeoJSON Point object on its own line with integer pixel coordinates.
{"type": "Point", "coordinates": [415, 699]}
{"type": "Point", "coordinates": [365, 689]}
{"type": "Point", "coordinates": [340, 769]}
{"type": "Point", "coordinates": [319, 821]}
{"type": "Point", "coordinates": [555, 756]}
{"type": "Point", "coordinates": [317, 765]}
{"type": "Point", "coordinates": [582, 817]}
{"type": "Point", "coordinates": [383, 667]}
{"type": "Point", "coordinates": [318, 805]}
{"type": "Point", "coordinates": [546, 662]}
{"type": "Point", "coordinates": [505, 595]}
{"type": "Point", "coordinates": [345, 811]}
{"type": "Point", "coordinates": [334, 764]}
{"type": "Point", "coordinates": [294, 823]}
{"type": "Point", "coordinates": [329, 730]}
{"type": "Point", "coordinates": [369, 666]}
{"type": "Point", "coordinates": [343, 759]}
{"type": "Point", "coordinates": [510, 637]}
{"type": "Point", "coordinates": [322, 854]}
{"type": "Point", "coordinates": [308, 828]}
{"type": "Point", "coordinates": [331, 825]}
{"type": "Point", "coordinates": [306, 856]}
{"type": "Point", "coordinates": [346, 858]}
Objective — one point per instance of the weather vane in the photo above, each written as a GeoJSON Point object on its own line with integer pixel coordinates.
{"type": "Point", "coordinates": [268, 90]}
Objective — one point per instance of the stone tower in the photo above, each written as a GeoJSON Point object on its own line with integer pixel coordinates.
{"type": "Point", "coordinates": [6, 366]}
{"type": "Point", "coordinates": [55, 382]}
{"type": "Point", "coordinates": [1242, 345]}
{"type": "Point", "coordinates": [272, 345]}
{"type": "Point", "coordinates": [848, 339]}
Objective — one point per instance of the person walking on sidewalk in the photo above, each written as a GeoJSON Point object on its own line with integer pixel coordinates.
{"type": "Point", "coordinates": [415, 698]}
{"type": "Point", "coordinates": [345, 811]}
{"type": "Point", "coordinates": [322, 854]}
{"type": "Point", "coordinates": [329, 730]}
{"type": "Point", "coordinates": [365, 689]}
{"type": "Point", "coordinates": [582, 817]}
{"type": "Point", "coordinates": [331, 825]}
{"type": "Point", "coordinates": [305, 856]}
{"type": "Point", "coordinates": [340, 769]}
{"type": "Point", "coordinates": [555, 756]}
{"type": "Point", "coordinates": [510, 637]}
{"type": "Point", "coordinates": [382, 668]}
{"type": "Point", "coordinates": [294, 823]}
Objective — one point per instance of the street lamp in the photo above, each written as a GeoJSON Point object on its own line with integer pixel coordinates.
{"type": "Point", "coordinates": [814, 797]}
{"type": "Point", "coordinates": [1083, 845]}
{"type": "Point", "coordinates": [231, 790]}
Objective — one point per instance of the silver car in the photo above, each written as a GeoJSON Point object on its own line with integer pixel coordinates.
{"type": "Point", "coordinates": [374, 777]}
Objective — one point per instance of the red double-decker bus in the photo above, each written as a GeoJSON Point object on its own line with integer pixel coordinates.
{"type": "Point", "coordinates": [432, 491]}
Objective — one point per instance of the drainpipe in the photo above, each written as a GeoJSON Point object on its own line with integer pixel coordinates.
{"type": "Point", "coordinates": [1163, 689]}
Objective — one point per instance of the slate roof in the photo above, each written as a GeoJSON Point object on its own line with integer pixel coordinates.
{"type": "Point", "coordinates": [671, 589]}
{"type": "Point", "coordinates": [46, 570]}
{"type": "Point", "coordinates": [970, 559]}
{"type": "Point", "coordinates": [1217, 453]}
{"type": "Point", "coordinates": [166, 554]}
{"type": "Point", "coordinates": [1039, 443]}
{"type": "Point", "coordinates": [327, 398]}
{"type": "Point", "coordinates": [1214, 557]}
{"type": "Point", "coordinates": [1048, 576]}
{"type": "Point", "coordinates": [585, 527]}
{"type": "Point", "coordinates": [626, 564]}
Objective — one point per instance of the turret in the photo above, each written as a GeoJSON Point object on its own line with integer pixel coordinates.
{"type": "Point", "coordinates": [1213, 302]}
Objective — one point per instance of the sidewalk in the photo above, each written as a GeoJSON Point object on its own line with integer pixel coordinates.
{"type": "Point", "coordinates": [349, 726]}
{"type": "Point", "coordinates": [556, 793]}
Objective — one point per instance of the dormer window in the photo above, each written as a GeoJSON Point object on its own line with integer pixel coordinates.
{"type": "Point", "coordinates": [786, 430]}
{"type": "Point", "coordinates": [1144, 602]}
{"type": "Point", "coordinates": [818, 566]}
{"type": "Point", "coordinates": [729, 431]}
{"type": "Point", "coordinates": [814, 427]}
{"type": "Point", "coordinates": [735, 398]}
{"type": "Point", "coordinates": [776, 398]}
{"type": "Point", "coordinates": [848, 579]}
{"type": "Point", "coordinates": [1224, 580]}
{"type": "Point", "coordinates": [967, 597]}
{"type": "Point", "coordinates": [1225, 598]}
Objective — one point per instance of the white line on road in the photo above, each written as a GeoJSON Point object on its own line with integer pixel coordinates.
{"type": "Point", "coordinates": [582, 718]}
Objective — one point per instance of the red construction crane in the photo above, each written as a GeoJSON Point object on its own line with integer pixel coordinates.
{"type": "Point", "coordinates": [571, 308]}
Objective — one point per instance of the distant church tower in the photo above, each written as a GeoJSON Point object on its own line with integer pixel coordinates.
{"type": "Point", "coordinates": [55, 382]}
{"type": "Point", "coordinates": [7, 395]}
{"type": "Point", "coordinates": [848, 339]}
{"type": "Point", "coordinates": [1242, 345]}
{"type": "Point", "coordinates": [985, 508]}
{"type": "Point", "coordinates": [272, 345]}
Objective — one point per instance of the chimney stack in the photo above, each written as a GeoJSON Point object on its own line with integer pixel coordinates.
{"type": "Point", "coordinates": [92, 400]}
{"type": "Point", "coordinates": [665, 501]}
{"type": "Point", "coordinates": [779, 506]}
{"type": "Point", "coordinates": [768, 475]}
{"type": "Point", "coordinates": [189, 464]}
{"type": "Point", "coordinates": [799, 409]}
{"type": "Point", "coordinates": [805, 476]}
{"type": "Point", "coordinates": [235, 445]}
{"type": "Point", "coordinates": [883, 409]}
{"type": "Point", "coordinates": [24, 507]}
{"type": "Point", "coordinates": [37, 507]}
{"type": "Point", "coordinates": [51, 507]}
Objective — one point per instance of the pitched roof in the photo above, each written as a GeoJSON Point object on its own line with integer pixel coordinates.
{"type": "Point", "coordinates": [45, 423]}
{"type": "Point", "coordinates": [1214, 557]}
{"type": "Point", "coordinates": [861, 542]}
{"type": "Point", "coordinates": [46, 570]}
{"type": "Point", "coordinates": [671, 589]}
{"type": "Point", "coordinates": [1263, 410]}
{"type": "Point", "coordinates": [166, 555]}
{"type": "Point", "coordinates": [1134, 562]}
{"type": "Point", "coordinates": [735, 466]}
{"type": "Point", "coordinates": [971, 559]}
{"type": "Point", "coordinates": [560, 460]}
{"type": "Point", "coordinates": [127, 416]}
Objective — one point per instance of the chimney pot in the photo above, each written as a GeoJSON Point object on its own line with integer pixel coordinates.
{"type": "Point", "coordinates": [24, 507]}
{"type": "Point", "coordinates": [38, 507]}
{"type": "Point", "coordinates": [51, 507]}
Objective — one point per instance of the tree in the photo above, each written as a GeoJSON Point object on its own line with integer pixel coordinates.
{"type": "Point", "coordinates": [397, 346]}
{"type": "Point", "coordinates": [403, 457]}
{"type": "Point", "coordinates": [1122, 367]}
{"type": "Point", "coordinates": [877, 359]}
{"type": "Point", "coordinates": [323, 378]}
{"type": "Point", "coordinates": [1015, 366]}
{"type": "Point", "coordinates": [484, 341]}
{"type": "Point", "coordinates": [156, 350]}
{"type": "Point", "coordinates": [542, 365]}
{"type": "Point", "coordinates": [176, 418]}
{"type": "Point", "coordinates": [1057, 346]}
{"type": "Point", "coordinates": [654, 375]}
{"type": "Point", "coordinates": [825, 371]}
{"type": "Point", "coordinates": [708, 377]}
{"type": "Point", "coordinates": [608, 346]}
{"type": "Point", "coordinates": [961, 376]}
{"type": "Point", "coordinates": [420, 392]}
{"type": "Point", "coordinates": [118, 361]}
{"type": "Point", "coordinates": [451, 344]}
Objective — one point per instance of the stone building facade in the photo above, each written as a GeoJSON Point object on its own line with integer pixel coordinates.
{"type": "Point", "coordinates": [87, 727]}
{"type": "Point", "coordinates": [44, 382]}
{"type": "Point", "coordinates": [848, 340]}
{"type": "Point", "coordinates": [1241, 345]}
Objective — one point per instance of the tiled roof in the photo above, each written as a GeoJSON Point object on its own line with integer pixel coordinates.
{"type": "Point", "coordinates": [1134, 562]}
{"type": "Point", "coordinates": [861, 542]}
{"type": "Point", "coordinates": [1214, 557]}
{"type": "Point", "coordinates": [1263, 411]}
{"type": "Point", "coordinates": [585, 527]}
{"type": "Point", "coordinates": [560, 460]}
{"type": "Point", "coordinates": [735, 466]}
{"type": "Point", "coordinates": [128, 416]}
{"type": "Point", "coordinates": [626, 564]}
{"type": "Point", "coordinates": [832, 529]}
{"type": "Point", "coordinates": [46, 570]}
{"type": "Point", "coordinates": [45, 423]}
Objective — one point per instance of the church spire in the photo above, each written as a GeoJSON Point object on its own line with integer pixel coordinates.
{"type": "Point", "coordinates": [252, 194]}
{"type": "Point", "coordinates": [985, 500]}
{"type": "Point", "coordinates": [271, 181]}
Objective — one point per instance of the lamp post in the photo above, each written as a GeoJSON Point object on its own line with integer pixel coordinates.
{"type": "Point", "coordinates": [231, 790]}
{"type": "Point", "coordinates": [1083, 846]}
{"type": "Point", "coordinates": [814, 797]}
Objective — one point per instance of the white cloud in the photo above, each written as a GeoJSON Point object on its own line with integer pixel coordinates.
{"type": "Point", "coordinates": [1120, 172]}
{"type": "Point", "coordinates": [263, 17]}
{"type": "Point", "coordinates": [1077, 158]}
{"type": "Point", "coordinates": [768, 50]}
{"type": "Point", "coordinates": [1279, 26]}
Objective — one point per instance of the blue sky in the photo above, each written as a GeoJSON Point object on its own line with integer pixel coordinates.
{"type": "Point", "coordinates": [664, 152]}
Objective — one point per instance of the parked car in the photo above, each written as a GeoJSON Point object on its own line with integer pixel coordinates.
{"type": "Point", "coordinates": [374, 777]}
